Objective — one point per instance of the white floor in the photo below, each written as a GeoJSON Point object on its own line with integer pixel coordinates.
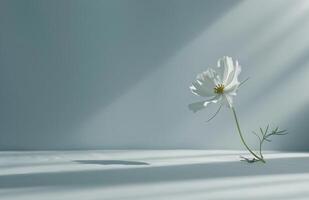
{"type": "Point", "coordinates": [152, 174]}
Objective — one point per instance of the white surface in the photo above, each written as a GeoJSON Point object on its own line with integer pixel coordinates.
{"type": "Point", "coordinates": [151, 174]}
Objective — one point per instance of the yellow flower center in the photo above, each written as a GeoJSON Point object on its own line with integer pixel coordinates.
{"type": "Point", "coordinates": [219, 89]}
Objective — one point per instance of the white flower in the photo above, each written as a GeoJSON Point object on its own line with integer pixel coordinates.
{"type": "Point", "coordinates": [218, 84]}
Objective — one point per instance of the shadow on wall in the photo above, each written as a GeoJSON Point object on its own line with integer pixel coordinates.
{"type": "Point", "coordinates": [298, 131]}
{"type": "Point", "coordinates": [61, 61]}
{"type": "Point", "coordinates": [290, 69]}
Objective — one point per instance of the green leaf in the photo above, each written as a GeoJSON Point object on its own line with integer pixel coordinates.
{"type": "Point", "coordinates": [257, 135]}
{"type": "Point", "coordinates": [267, 128]}
{"type": "Point", "coordinates": [262, 131]}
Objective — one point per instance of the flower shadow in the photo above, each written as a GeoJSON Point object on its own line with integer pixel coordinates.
{"type": "Point", "coordinates": [111, 162]}
{"type": "Point", "coordinates": [154, 174]}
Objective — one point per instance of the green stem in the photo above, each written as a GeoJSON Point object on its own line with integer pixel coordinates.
{"type": "Point", "coordinates": [243, 140]}
{"type": "Point", "coordinates": [261, 150]}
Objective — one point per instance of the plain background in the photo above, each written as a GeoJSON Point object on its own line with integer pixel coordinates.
{"type": "Point", "coordinates": [115, 74]}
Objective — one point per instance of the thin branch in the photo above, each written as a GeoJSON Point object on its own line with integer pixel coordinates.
{"type": "Point", "coordinates": [241, 83]}
{"type": "Point", "coordinates": [257, 135]}
{"type": "Point", "coordinates": [265, 136]}
{"type": "Point", "coordinates": [267, 128]}
{"type": "Point", "coordinates": [262, 131]}
{"type": "Point", "coordinates": [215, 114]}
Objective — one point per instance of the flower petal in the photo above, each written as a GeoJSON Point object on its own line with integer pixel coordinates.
{"type": "Point", "coordinates": [228, 100]}
{"type": "Point", "coordinates": [225, 67]}
{"type": "Point", "coordinates": [204, 85]}
{"type": "Point", "coordinates": [197, 106]}
{"type": "Point", "coordinates": [233, 77]}
{"type": "Point", "coordinates": [207, 78]}
{"type": "Point", "coordinates": [231, 89]}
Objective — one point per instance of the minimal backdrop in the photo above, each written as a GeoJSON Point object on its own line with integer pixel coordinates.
{"type": "Point", "coordinates": [115, 74]}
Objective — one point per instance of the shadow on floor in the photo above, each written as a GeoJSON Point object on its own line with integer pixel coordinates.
{"type": "Point", "coordinates": [155, 174]}
{"type": "Point", "coordinates": [111, 162]}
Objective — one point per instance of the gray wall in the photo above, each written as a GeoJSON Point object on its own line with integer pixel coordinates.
{"type": "Point", "coordinates": [115, 74]}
